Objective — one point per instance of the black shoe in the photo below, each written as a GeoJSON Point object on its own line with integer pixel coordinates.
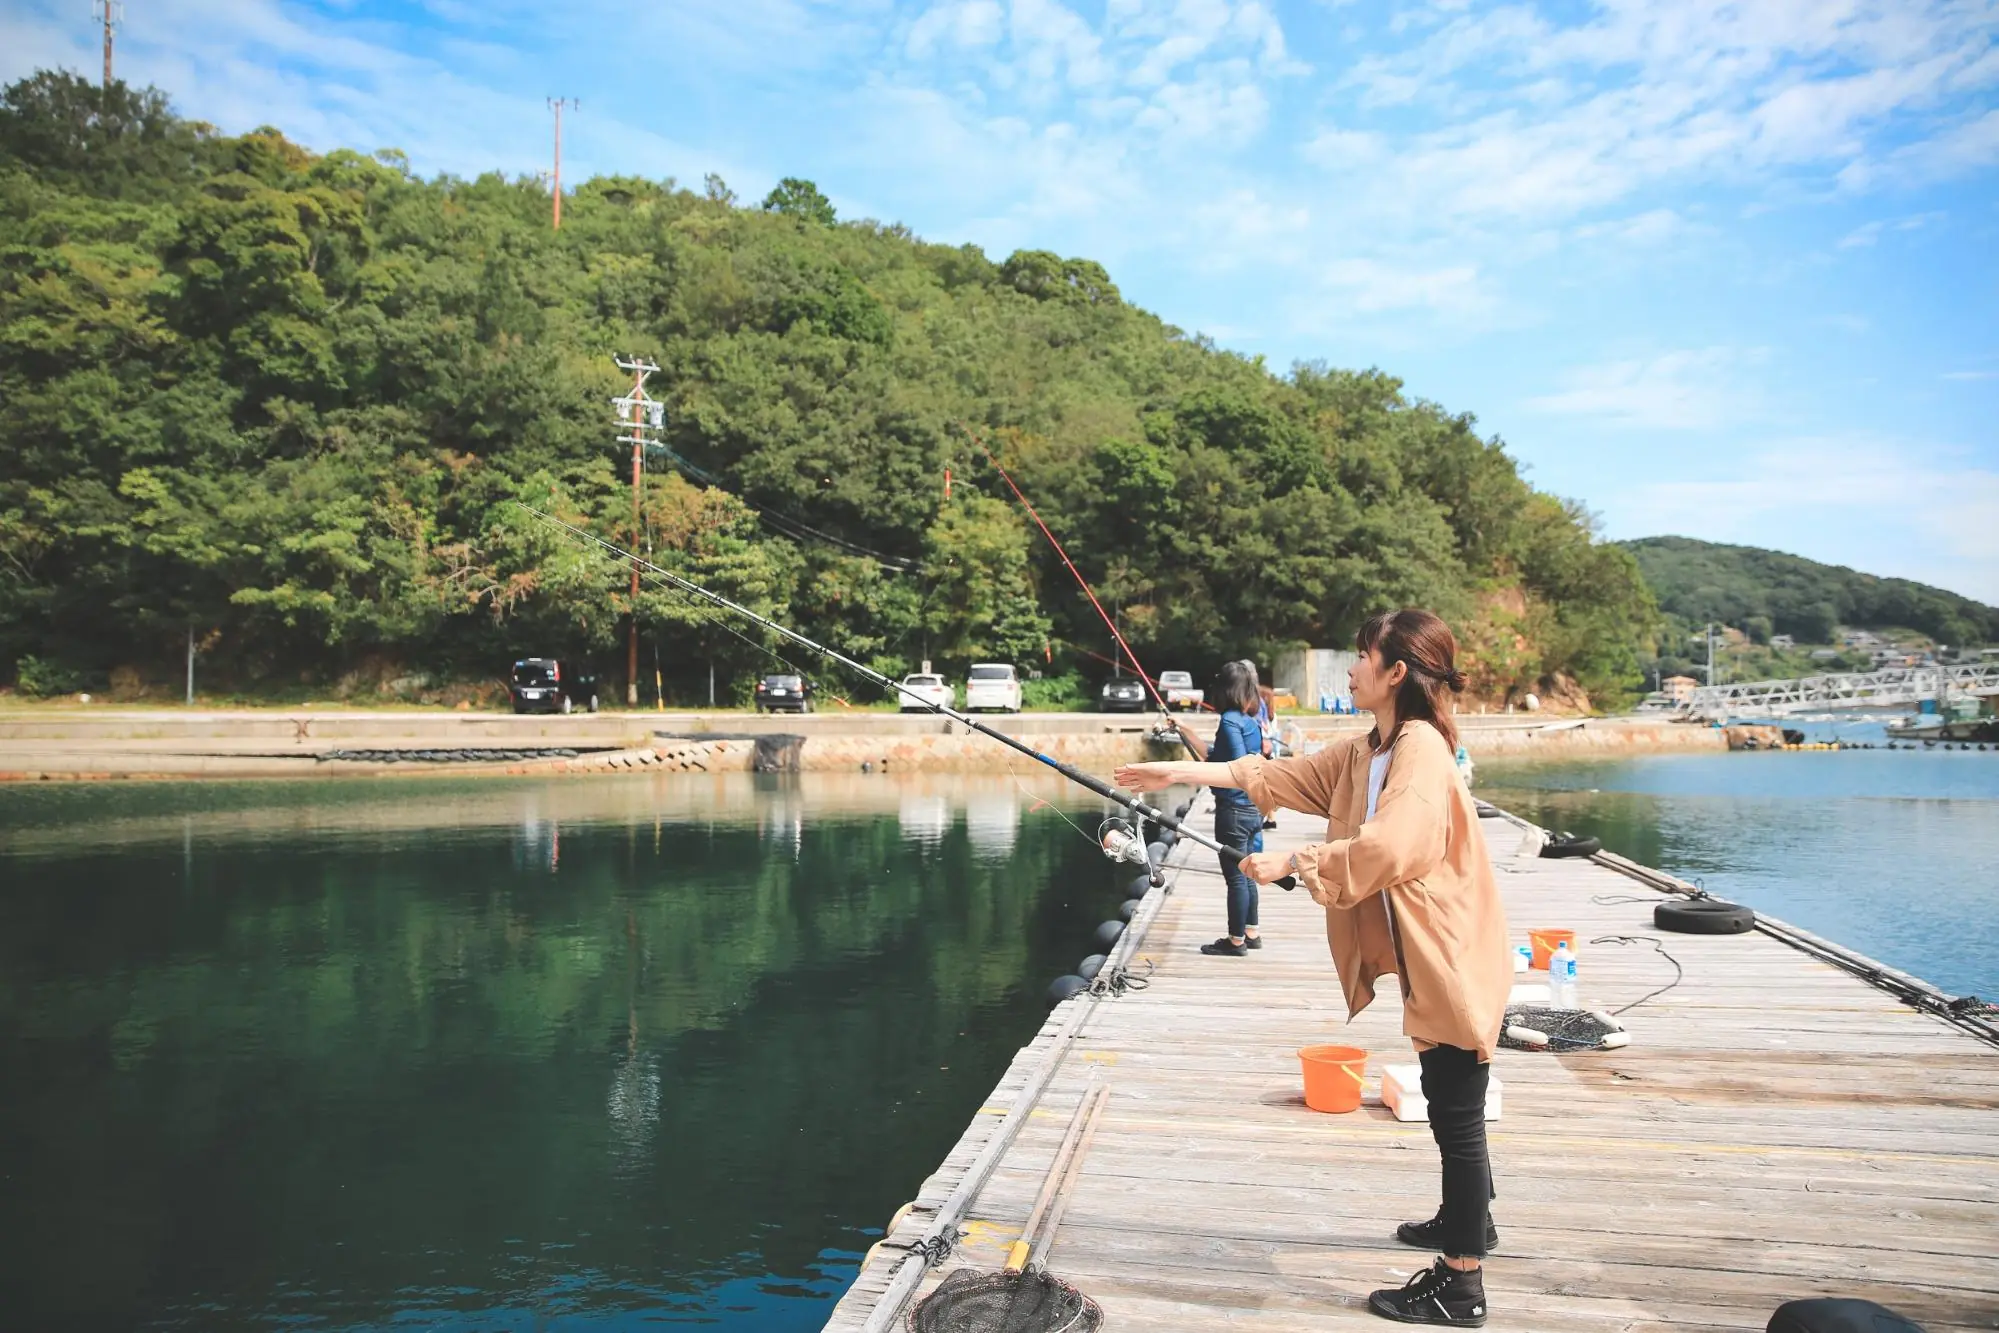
{"type": "Point", "coordinates": [1437, 1295]}
{"type": "Point", "coordinates": [1226, 947]}
{"type": "Point", "coordinates": [1430, 1235]}
{"type": "Point", "coordinates": [1269, 823]}
{"type": "Point", "coordinates": [1252, 942]}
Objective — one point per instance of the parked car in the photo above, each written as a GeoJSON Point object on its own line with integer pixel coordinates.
{"type": "Point", "coordinates": [931, 689]}
{"type": "Point", "coordinates": [784, 694]}
{"type": "Point", "coordinates": [551, 685]}
{"type": "Point", "coordinates": [1180, 690]}
{"type": "Point", "coordinates": [994, 686]}
{"type": "Point", "coordinates": [1122, 694]}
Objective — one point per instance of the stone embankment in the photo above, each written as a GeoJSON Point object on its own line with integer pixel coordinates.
{"type": "Point", "coordinates": [48, 743]}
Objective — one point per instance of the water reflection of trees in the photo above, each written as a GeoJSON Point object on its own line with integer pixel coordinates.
{"type": "Point", "coordinates": [375, 1061]}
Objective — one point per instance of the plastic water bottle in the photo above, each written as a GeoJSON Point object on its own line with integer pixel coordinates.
{"type": "Point", "coordinates": [1562, 978]}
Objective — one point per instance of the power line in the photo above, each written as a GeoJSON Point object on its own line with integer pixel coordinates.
{"type": "Point", "coordinates": [783, 524]}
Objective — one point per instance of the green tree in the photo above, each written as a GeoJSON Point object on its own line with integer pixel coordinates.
{"type": "Point", "coordinates": [795, 198]}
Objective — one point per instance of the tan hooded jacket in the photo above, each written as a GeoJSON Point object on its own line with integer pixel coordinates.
{"type": "Point", "coordinates": [1423, 858]}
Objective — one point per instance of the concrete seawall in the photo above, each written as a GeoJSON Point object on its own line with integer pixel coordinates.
{"type": "Point", "coordinates": [53, 743]}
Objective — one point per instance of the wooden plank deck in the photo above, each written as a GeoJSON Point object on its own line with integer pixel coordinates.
{"type": "Point", "coordinates": [1776, 1129]}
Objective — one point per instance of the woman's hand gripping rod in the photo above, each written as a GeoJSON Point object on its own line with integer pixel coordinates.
{"type": "Point", "coordinates": [1117, 849]}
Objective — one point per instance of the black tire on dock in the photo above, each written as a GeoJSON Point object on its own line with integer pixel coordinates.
{"type": "Point", "coordinates": [1089, 967]}
{"type": "Point", "coordinates": [1066, 988]}
{"type": "Point", "coordinates": [1138, 886]}
{"type": "Point", "coordinates": [1703, 916]}
{"type": "Point", "coordinates": [1107, 934]}
{"type": "Point", "coordinates": [1127, 908]}
{"type": "Point", "coordinates": [1568, 844]}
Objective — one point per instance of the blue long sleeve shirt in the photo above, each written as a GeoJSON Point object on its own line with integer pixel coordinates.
{"type": "Point", "coordinates": [1238, 737]}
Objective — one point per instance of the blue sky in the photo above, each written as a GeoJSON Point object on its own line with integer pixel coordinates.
{"type": "Point", "coordinates": [1722, 269]}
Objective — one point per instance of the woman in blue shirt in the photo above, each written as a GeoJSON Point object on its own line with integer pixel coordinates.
{"type": "Point", "coordinates": [1237, 822]}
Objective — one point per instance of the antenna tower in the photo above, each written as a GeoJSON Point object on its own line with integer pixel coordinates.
{"type": "Point", "coordinates": [640, 419]}
{"type": "Point", "coordinates": [557, 103]}
{"type": "Point", "coordinates": [110, 13]}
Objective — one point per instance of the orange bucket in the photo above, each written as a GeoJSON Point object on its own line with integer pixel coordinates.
{"type": "Point", "coordinates": [1545, 943]}
{"type": "Point", "coordinates": [1333, 1077]}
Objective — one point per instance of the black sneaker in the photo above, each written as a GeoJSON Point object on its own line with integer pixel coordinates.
{"type": "Point", "coordinates": [1226, 947]}
{"type": "Point", "coordinates": [1430, 1235]}
{"type": "Point", "coordinates": [1437, 1295]}
{"type": "Point", "coordinates": [1252, 941]}
{"type": "Point", "coordinates": [1269, 824]}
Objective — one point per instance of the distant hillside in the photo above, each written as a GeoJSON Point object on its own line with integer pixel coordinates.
{"type": "Point", "coordinates": [1697, 581]}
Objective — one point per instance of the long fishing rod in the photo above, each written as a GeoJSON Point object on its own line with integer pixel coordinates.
{"type": "Point", "coordinates": [1120, 844]}
{"type": "Point", "coordinates": [1109, 622]}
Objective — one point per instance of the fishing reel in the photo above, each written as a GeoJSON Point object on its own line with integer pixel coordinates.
{"type": "Point", "coordinates": [1120, 842]}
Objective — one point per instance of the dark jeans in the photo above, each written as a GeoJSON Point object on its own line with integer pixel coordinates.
{"type": "Point", "coordinates": [1454, 1085]}
{"type": "Point", "coordinates": [1238, 826]}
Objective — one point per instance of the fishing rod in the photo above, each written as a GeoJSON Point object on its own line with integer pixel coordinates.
{"type": "Point", "coordinates": [1118, 841]}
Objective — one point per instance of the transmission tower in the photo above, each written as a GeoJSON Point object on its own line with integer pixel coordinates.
{"type": "Point", "coordinates": [111, 13]}
{"type": "Point", "coordinates": [557, 103]}
{"type": "Point", "coordinates": [640, 419]}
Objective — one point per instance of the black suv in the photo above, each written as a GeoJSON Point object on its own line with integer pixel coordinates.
{"type": "Point", "coordinates": [784, 694]}
{"type": "Point", "coordinates": [552, 685]}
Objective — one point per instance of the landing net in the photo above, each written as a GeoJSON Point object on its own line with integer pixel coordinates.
{"type": "Point", "coordinates": [971, 1301]}
{"type": "Point", "coordinates": [1532, 1028]}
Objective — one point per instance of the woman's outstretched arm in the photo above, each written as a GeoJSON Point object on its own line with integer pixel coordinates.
{"type": "Point", "coordinates": [1158, 776]}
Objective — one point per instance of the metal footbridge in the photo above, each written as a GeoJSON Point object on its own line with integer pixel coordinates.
{"type": "Point", "coordinates": [1898, 687]}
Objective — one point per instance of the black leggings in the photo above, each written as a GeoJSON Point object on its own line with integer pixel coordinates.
{"type": "Point", "coordinates": [1454, 1085]}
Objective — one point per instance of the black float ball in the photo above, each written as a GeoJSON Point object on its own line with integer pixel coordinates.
{"type": "Point", "coordinates": [1126, 908]}
{"type": "Point", "coordinates": [1066, 988]}
{"type": "Point", "coordinates": [1139, 884]}
{"type": "Point", "coordinates": [1107, 934]}
{"type": "Point", "coordinates": [1155, 852]}
{"type": "Point", "coordinates": [1089, 967]}
{"type": "Point", "coordinates": [1181, 812]}
{"type": "Point", "coordinates": [1168, 837]}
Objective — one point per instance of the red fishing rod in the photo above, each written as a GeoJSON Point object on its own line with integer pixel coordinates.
{"type": "Point", "coordinates": [1118, 843]}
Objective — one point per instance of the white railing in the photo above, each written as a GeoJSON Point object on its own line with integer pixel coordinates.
{"type": "Point", "coordinates": [1897, 687]}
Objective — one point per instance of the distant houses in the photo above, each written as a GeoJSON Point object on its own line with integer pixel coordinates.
{"type": "Point", "coordinates": [1678, 688]}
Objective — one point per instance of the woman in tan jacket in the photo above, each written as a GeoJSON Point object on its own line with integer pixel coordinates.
{"type": "Point", "coordinates": [1408, 889]}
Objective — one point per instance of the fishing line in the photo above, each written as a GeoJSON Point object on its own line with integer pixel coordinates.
{"type": "Point", "coordinates": [1080, 778]}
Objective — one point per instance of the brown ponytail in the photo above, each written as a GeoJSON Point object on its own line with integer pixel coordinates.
{"type": "Point", "coordinates": [1422, 642]}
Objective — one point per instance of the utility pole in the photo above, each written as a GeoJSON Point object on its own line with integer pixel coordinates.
{"type": "Point", "coordinates": [642, 417]}
{"type": "Point", "coordinates": [556, 102]}
{"type": "Point", "coordinates": [111, 13]}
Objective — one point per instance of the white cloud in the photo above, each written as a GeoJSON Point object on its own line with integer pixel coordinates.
{"type": "Point", "coordinates": [1970, 375]}
{"type": "Point", "coordinates": [1868, 233]}
{"type": "Point", "coordinates": [1680, 390]}
{"type": "Point", "coordinates": [1371, 286]}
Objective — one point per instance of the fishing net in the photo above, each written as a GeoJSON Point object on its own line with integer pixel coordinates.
{"type": "Point", "coordinates": [1030, 1301]}
{"type": "Point", "coordinates": [1536, 1028]}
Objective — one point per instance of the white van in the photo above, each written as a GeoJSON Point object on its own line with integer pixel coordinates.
{"type": "Point", "coordinates": [992, 686]}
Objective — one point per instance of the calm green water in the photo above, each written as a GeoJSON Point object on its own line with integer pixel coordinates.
{"type": "Point", "coordinates": [1895, 854]}
{"type": "Point", "coordinates": [501, 1055]}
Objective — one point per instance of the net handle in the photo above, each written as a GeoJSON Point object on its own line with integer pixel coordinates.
{"type": "Point", "coordinates": [1069, 1178]}
{"type": "Point", "coordinates": [1058, 1170]}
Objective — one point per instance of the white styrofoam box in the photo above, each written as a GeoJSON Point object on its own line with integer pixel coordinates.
{"type": "Point", "coordinates": [1520, 962]}
{"type": "Point", "coordinates": [1402, 1093]}
{"type": "Point", "coordinates": [1528, 994]}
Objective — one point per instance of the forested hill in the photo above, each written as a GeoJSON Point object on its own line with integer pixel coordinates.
{"type": "Point", "coordinates": [282, 399]}
{"type": "Point", "coordinates": [1697, 581]}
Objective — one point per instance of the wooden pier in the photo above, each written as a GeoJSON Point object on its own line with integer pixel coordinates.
{"type": "Point", "coordinates": [1777, 1129]}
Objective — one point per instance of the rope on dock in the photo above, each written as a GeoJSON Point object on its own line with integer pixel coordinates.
{"type": "Point", "coordinates": [1966, 1012]}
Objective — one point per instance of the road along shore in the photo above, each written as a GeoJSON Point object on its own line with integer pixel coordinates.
{"type": "Point", "coordinates": [104, 743]}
